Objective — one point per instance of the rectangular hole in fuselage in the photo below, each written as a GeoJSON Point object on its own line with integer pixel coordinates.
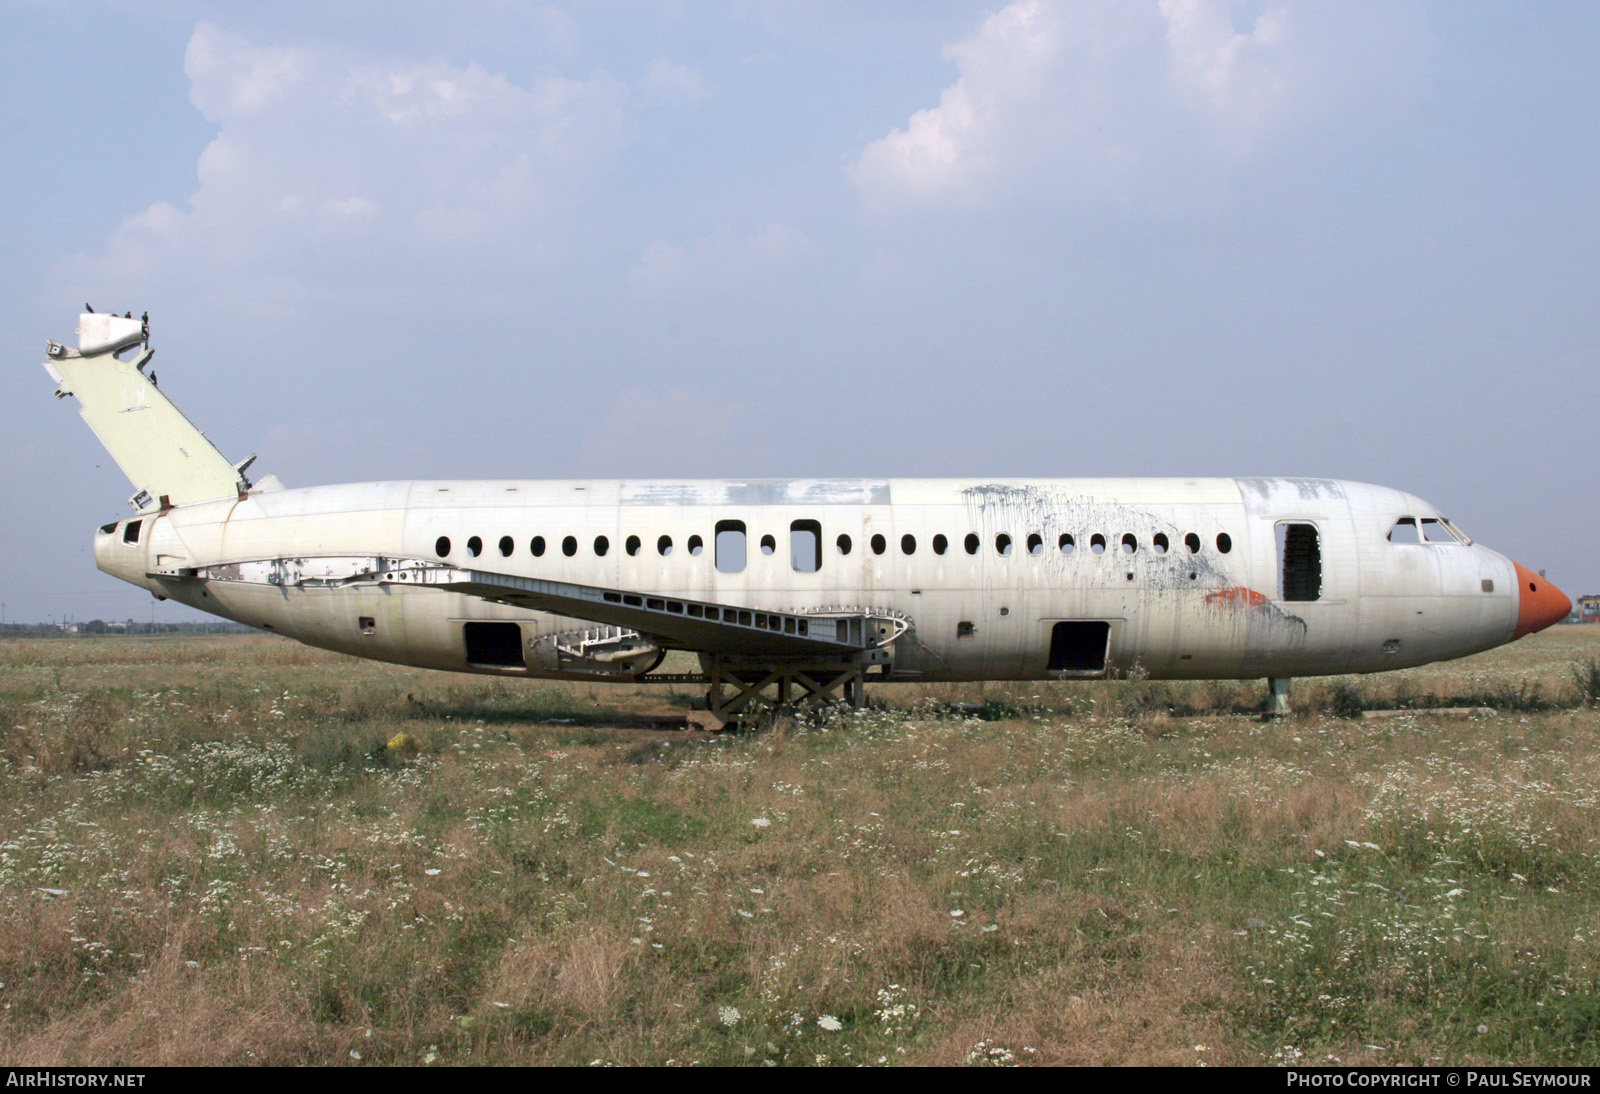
{"type": "Point", "coordinates": [496, 645]}
{"type": "Point", "coordinates": [805, 546]}
{"type": "Point", "coordinates": [730, 546]}
{"type": "Point", "coordinates": [1299, 562]}
{"type": "Point", "coordinates": [1079, 646]}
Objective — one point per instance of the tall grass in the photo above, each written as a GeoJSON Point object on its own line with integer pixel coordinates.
{"type": "Point", "coordinates": [235, 850]}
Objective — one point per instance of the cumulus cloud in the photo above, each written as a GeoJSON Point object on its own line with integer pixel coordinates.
{"type": "Point", "coordinates": [1084, 98]}
{"type": "Point", "coordinates": [325, 158]}
{"type": "Point", "coordinates": [1240, 76]}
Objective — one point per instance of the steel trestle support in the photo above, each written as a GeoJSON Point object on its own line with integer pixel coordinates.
{"type": "Point", "coordinates": [734, 688]}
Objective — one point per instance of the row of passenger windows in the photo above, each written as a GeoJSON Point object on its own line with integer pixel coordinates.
{"type": "Point", "coordinates": [805, 545]}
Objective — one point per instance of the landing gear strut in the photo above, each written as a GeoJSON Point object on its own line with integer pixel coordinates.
{"type": "Point", "coordinates": [1278, 696]}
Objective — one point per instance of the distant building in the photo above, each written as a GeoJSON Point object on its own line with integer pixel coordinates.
{"type": "Point", "coordinates": [1589, 609]}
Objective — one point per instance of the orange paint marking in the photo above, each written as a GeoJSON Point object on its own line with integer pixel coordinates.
{"type": "Point", "coordinates": [1237, 596]}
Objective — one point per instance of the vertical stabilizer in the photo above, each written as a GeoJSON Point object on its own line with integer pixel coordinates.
{"type": "Point", "coordinates": [161, 452]}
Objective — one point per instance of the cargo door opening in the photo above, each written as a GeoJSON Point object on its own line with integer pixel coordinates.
{"type": "Point", "coordinates": [1299, 562]}
{"type": "Point", "coordinates": [1079, 647]}
{"type": "Point", "coordinates": [494, 645]}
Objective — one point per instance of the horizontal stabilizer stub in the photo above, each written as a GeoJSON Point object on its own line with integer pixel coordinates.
{"type": "Point", "coordinates": [102, 333]}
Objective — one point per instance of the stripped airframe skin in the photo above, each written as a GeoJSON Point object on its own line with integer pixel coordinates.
{"type": "Point", "coordinates": [905, 579]}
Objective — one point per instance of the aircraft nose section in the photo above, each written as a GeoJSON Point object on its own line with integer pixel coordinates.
{"type": "Point", "coordinates": [1539, 603]}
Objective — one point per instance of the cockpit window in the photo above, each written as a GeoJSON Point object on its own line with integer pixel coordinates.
{"type": "Point", "coordinates": [1436, 531]}
{"type": "Point", "coordinates": [1425, 530]}
{"type": "Point", "coordinates": [1405, 531]}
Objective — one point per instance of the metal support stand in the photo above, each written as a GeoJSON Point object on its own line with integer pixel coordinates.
{"type": "Point", "coordinates": [816, 683]}
{"type": "Point", "coordinates": [1278, 697]}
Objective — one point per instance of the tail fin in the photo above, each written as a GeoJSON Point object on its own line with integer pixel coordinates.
{"type": "Point", "coordinates": [165, 457]}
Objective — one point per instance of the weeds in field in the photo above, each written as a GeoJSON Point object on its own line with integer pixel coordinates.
{"type": "Point", "coordinates": [236, 850]}
{"type": "Point", "coordinates": [1586, 675]}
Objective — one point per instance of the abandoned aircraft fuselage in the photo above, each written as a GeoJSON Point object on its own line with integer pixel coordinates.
{"type": "Point", "coordinates": [908, 579]}
{"type": "Point", "coordinates": [1177, 578]}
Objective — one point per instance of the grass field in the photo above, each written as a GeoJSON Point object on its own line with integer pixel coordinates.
{"type": "Point", "coordinates": [236, 849]}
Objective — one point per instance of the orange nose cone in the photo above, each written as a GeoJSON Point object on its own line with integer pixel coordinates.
{"type": "Point", "coordinates": [1539, 603]}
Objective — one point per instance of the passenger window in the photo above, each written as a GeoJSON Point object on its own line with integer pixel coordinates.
{"type": "Point", "coordinates": [972, 543]}
{"type": "Point", "coordinates": [1130, 543]}
{"type": "Point", "coordinates": [908, 544]}
{"type": "Point", "coordinates": [1434, 531]}
{"type": "Point", "coordinates": [601, 545]}
{"type": "Point", "coordinates": [1192, 542]}
{"type": "Point", "coordinates": [569, 546]}
{"type": "Point", "coordinates": [1097, 543]}
{"type": "Point", "coordinates": [696, 545]}
{"type": "Point", "coordinates": [805, 546]}
{"type": "Point", "coordinates": [506, 546]}
{"type": "Point", "coordinates": [1002, 544]}
{"type": "Point", "coordinates": [1035, 543]}
{"type": "Point", "coordinates": [879, 544]}
{"type": "Point", "coordinates": [768, 545]}
{"type": "Point", "coordinates": [1404, 531]}
{"type": "Point", "coordinates": [843, 544]}
{"type": "Point", "coordinates": [1158, 543]}
{"type": "Point", "coordinates": [474, 546]}
{"type": "Point", "coordinates": [1067, 543]}
{"type": "Point", "coordinates": [940, 545]}
{"type": "Point", "coordinates": [632, 545]}
{"type": "Point", "coordinates": [664, 545]}
{"type": "Point", "coordinates": [441, 546]}
{"type": "Point", "coordinates": [730, 546]}
{"type": "Point", "coordinates": [1224, 542]}
{"type": "Point", "coordinates": [535, 546]}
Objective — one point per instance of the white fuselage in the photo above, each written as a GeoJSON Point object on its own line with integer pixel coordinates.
{"type": "Point", "coordinates": [1175, 604]}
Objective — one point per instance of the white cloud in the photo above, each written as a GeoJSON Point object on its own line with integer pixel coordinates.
{"type": "Point", "coordinates": [1094, 99]}
{"type": "Point", "coordinates": [722, 264]}
{"type": "Point", "coordinates": [1239, 76]}
{"type": "Point", "coordinates": [330, 159]}
{"type": "Point", "coordinates": [673, 84]}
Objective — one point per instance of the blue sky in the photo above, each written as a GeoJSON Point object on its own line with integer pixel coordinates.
{"type": "Point", "coordinates": [1049, 238]}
